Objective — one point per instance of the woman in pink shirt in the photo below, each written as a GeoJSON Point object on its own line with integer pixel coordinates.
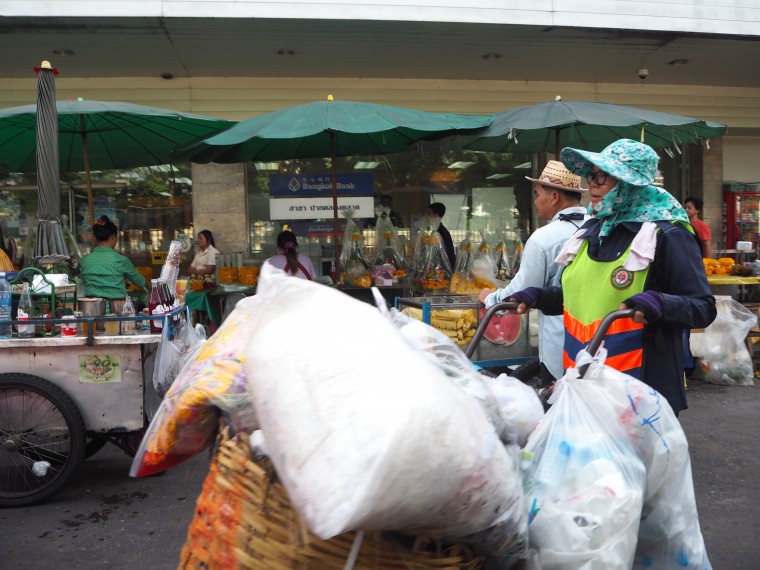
{"type": "Point", "coordinates": [289, 260]}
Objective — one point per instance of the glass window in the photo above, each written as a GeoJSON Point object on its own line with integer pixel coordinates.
{"type": "Point", "coordinates": [481, 191]}
{"type": "Point", "coordinates": [150, 206]}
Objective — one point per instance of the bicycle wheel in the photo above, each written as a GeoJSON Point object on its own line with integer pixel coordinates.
{"type": "Point", "coordinates": [42, 439]}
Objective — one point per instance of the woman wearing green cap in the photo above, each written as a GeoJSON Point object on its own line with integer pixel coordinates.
{"type": "Point", "coordinates": [636, 252]}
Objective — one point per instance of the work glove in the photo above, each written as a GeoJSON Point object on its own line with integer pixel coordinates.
{"type": "Point", "coordinates": [651, 303]}
{"type": "Point", "coordinates": [529, 296]}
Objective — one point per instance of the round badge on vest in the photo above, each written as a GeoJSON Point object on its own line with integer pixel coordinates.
{"type": "Point", "coordinates": [621, 278]}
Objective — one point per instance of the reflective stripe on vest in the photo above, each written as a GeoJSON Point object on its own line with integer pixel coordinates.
{"type": "Point", "coordinates": [584, 309]}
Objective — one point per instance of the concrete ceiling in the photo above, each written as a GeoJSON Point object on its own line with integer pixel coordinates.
{"type": "Point", "coordinates": [192, 47]}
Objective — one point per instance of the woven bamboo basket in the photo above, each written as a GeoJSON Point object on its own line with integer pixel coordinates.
{"type": "Point", "coordinates": [244, 520]}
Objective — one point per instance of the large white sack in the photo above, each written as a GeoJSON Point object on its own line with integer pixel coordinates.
{"type": "Point", "coordinates": [363, 431]}
{"type": "Point", "coordinates": [670, 537]}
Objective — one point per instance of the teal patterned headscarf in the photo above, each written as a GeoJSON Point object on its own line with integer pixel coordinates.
{"type": "Point", "coordinates": [633, 199]}
{"type": "Point", "coordinates": [629, 203]}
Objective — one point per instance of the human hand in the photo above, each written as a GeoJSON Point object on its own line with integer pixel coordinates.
{"type": "Point", "coordinates": [528, 299]}
{"type": "Point", "coordinates": [648, 306]}
{"type": "Point", "coordinates": [485, 293]}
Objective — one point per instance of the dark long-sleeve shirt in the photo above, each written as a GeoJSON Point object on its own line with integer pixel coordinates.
{"type": "Point", "coordinates": [678, 273]}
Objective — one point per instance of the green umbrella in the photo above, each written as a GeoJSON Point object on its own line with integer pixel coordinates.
{"type": "Point", "coordinates": [328, 129]}
{"type": "Point", "coordinates": [102, 135]}
{"type": "Point", "coordinates": [549, 127]}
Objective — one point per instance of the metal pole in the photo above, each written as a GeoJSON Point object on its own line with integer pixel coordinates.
{"type": "Point", "coordinates": [334, 167]}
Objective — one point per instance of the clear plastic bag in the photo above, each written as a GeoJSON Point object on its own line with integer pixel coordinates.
{"type": "Point", "coordinates": [432, 269]}
{"type": "Point", "coordinates": [354, 265]}
{"type": "Point", "coordinates": [503, 264]}
{"type": "Point", "coordinates": [172, 354]}
{"type": "Point", "coordinates": [584, 482]}
{"type": "Point", "coordinates": [213, 381]}
{"type": "Point", "coordinates": [726, 359]}
{"type": "Point", "coordinates": [669, 535]}
{"type": "Point", "coordinates": [389, 245]}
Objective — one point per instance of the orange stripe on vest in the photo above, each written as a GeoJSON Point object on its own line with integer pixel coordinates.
{"type": "Point", "coordinates": [584, 333]}
{"type": "Point", "coordinates": [621, 362]}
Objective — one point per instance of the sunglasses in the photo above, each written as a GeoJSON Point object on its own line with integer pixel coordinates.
{"type": "Point", "coordinates": [599, 177]}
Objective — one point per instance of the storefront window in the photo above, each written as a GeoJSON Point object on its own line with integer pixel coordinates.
{"type": "Point", "coordinates": [149, 205]}
{"type": "Point", "coordinates": [485, 192]}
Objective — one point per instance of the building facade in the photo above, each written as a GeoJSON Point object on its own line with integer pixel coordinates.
{"type": "Point", "coordinates": [240, 59]}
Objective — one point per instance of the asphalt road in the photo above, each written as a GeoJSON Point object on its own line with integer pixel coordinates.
{"type": "Point", "coordinates": [104, 519]}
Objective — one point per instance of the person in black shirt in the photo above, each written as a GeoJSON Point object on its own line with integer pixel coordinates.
{"type": "Point", "coordinates": [437, 210]}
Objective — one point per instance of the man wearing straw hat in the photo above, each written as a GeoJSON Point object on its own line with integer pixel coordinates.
{"type": "Point", "coordinates": [558, 195]}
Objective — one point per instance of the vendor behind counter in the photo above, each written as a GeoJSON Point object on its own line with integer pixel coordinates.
{"type": "Point", "coordinates": [104, 270]}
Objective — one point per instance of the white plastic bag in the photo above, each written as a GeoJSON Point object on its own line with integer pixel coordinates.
{"type": "Point", "coordinates": [357, 440]}
{"type": "Point", "coordinates": [173, 354]}
{"type": "Point", "coordinates": [725, 358]}
{"type": "Point", "coordinates": [669, 534]}
{"type": "Point", "coordinates": [584, 482]}
{"type": "Point", "coordinates": [519, 404]}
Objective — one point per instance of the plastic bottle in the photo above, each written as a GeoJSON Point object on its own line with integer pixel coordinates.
{"type": "Point", "coordinates": [25, 311]}
{"type": "Point", "coordinates": [128, 310]}
{"type": "Point", "coordinates": [156, 307]}
{"type": "Point", "coordinates": [5, 307]}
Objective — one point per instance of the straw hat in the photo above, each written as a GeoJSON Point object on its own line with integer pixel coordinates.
{"type": "Point", "coordinates": [555, 175]}
{"type": "Point", "coordinates": [627, 160]}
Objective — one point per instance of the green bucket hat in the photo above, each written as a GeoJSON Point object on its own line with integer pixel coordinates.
{"type": "Point", "coordinates": [626, 160]}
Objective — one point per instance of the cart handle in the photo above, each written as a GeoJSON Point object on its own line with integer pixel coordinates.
{"type": "Point", "coordinates": [480, 331]}
{"type": "Point", "coordinates": [601, 332]}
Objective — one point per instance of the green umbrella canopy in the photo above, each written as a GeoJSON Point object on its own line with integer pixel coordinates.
{"type": "Point", "coordinates": [117, 135]}
{"type": "Point", "coordinates": [328, 129]}
{"type": "Point", "coordinates": [549, 127]}
{"type": "Point", "coordinates": [101, 135]}
{"type": "Point", "coordinates": [311, 130]}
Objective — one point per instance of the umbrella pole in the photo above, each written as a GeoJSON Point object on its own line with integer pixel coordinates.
{"type": "Point", "coordinates": [87, 177]}
{"type": "Point", "coordinates": [334, 167]}
{"type": "Point", "coordinates": [556, 143]}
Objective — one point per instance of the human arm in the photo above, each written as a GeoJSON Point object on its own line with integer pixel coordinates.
{"type": "Point", "coordinates": [132, 274]}
{"type": "Point", "coordinates": [204, 270]}
{"type": "Point", "coordinates": [678, 273]}
{"type": "Point", "coordinates": [537, 268]}
{"type": "Point", "coordinates": [204, 263]}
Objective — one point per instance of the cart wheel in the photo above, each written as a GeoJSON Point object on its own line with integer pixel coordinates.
{"type": "Point", "coordinates": [42, 439]}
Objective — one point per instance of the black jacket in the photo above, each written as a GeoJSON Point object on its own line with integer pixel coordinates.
{"type": "Point", "coordinates": [678, 273]}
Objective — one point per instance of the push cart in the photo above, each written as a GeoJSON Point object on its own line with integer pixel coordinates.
{"type": "Point", "coordinates": [63, 397]}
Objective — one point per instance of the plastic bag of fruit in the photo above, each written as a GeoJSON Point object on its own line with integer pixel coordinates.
{"type": "Point", "coordinates": [389, 245]}
{"type": "Point", "coordinates": [432, 270]}
{"type": "Point", "coordinates": [355, 267]}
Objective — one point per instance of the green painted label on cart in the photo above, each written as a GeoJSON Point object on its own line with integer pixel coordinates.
{"type": "Point", "coordinates": [99, 368]}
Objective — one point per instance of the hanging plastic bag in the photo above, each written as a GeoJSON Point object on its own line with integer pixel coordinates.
{"type": "Point", "coordinates": [173, 353]}
{"type": "Point", "coordinates": [432, 269]}
{"type": "Point", "coordinates": [389, 246]}
{"type": "Point", "coordinates": [213, 381]}
{"type": "Point", "coordinates": [726, 359]}
{"type": "Point", "coordinates": [584, 482]}
{"type": "Point", "coordinates": [462, 282]}
{"type": "Point", "coordinates": [669, 534]}
{"type": "Point", "coordinates": [503, 264]}
{"type": "Point", "coordinates": [354, 266]}
{"type": "Point", "coordinates": [517, 256]}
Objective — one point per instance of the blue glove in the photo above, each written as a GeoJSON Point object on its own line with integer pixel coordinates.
{"type": "Point", "coordinates": [651, 303]}
{"type": "Point", "coordinates": [530, 296]}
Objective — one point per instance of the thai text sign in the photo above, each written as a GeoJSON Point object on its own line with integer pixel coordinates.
{"type": "Point", "coordinates": [316, 208]}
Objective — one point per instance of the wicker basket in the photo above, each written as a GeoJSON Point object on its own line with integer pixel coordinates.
{"type": "Point", "coordinates": [244, 519]}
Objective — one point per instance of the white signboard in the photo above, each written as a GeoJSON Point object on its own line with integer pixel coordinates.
{"type": "Point", "coordinates": [314, 208]}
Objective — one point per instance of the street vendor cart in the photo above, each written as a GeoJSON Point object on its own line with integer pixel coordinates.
{"type": "Point", "coordinates": [63, 397]}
